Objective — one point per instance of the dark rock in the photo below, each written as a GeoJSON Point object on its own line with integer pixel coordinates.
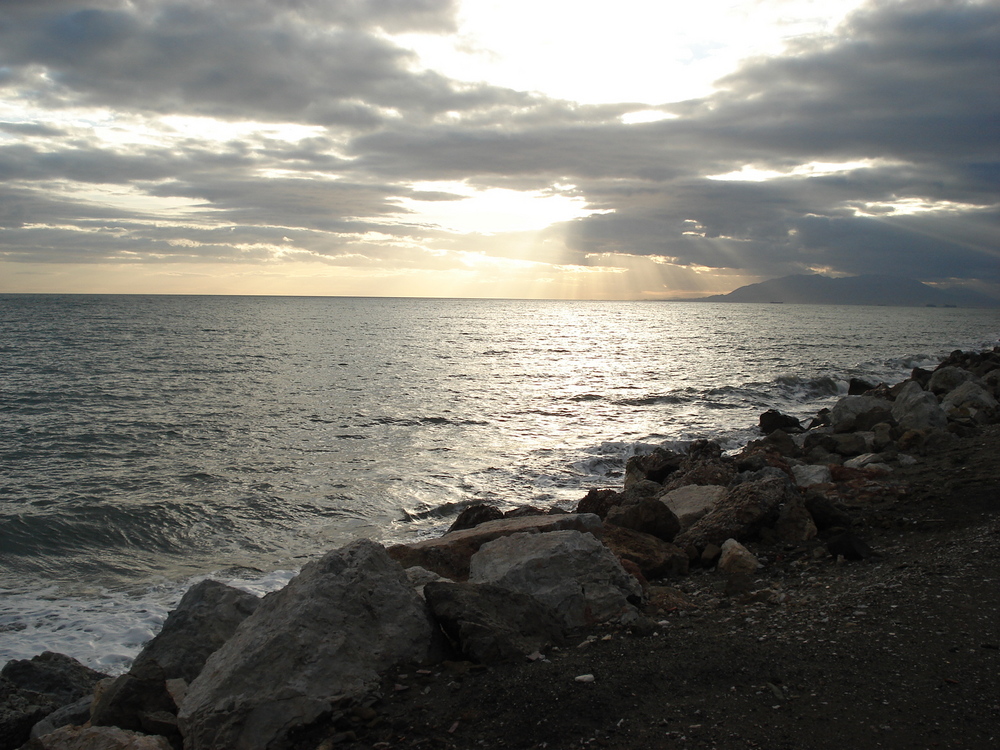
{"type": "Point", "coordinates": [655, 466]}
{"type": "Point", "coordinates": [740, 514]}
{"type": "Point", "coordinates": [475, 515]}
{"type": "Point", "coordinates": [822, 419]}
{"type": "Point", "coordinates": [826, 513]}
{"type": "Point", "coordinates": [489, 624]}
{"type": "Point", "coordinates": [345, 619]}
{"type": "Point", "coordinates": [75, 714]}
{"type": "Point", "coordinates": [649, 516]}
{"type": "Point", "coordinates": [599, 502]}
{"type": "Point", "coordinates": [527, 510]}
{"type": "Point", "coordinates": [32, 689]}
{"type": "Point", "coordinates": [704, 450]}
{"type": "Point", "coordinates": [204, 619]}
{"type": "Point", "coordinates": [850, 546]}
{"type": "Point", "coordinates": [772, 420]}
{"type": "Point", "coordinates": [655, 557]}
{"type": "Point", "coordinates": [921, 376]}
{"type": "Point", "coordinates": [783, 443]}
{"type": "Point", "coordinates": [858, 387]}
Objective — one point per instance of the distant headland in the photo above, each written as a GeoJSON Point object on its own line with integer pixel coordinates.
{"type": "Point", "coordinates": [816, 289]}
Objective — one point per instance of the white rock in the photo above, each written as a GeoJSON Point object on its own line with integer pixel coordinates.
{"type": "Point", "coordinates": [692, 502]}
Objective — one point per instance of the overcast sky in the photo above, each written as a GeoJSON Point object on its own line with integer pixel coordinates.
{"type": "Point", "coordinates": [517, 148]}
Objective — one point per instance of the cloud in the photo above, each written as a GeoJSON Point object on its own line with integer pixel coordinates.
{"type": "Point", "coordinates": [870, 149]}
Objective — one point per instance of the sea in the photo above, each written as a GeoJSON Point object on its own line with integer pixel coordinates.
{"type": "Point", "coordinates": [150, 442]}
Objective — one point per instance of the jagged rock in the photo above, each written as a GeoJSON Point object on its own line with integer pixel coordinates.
{"type": "Point", "coordinates": [599, 502]}
{"type": "Point", "coordinates": [487, 623]}
{"type": "Point", "coordinates": [330, 632]}
{"type": "Point", "coordinates": [735, 559]}
{"type": "Point", "coordinates": [858, 387]}
{"type": "Point", "coordinates": [703, 472]}
{"type": "Point", "coordinates": [917, 409]}
{"type": "Point", "coordinates": [655, 466]}
{"type": "Point", "coordinates": [773, 419]}
{"type": "Point", "coordinates": [853, 413]}
{"type": "Point", "coordinates": [868, 461]}
{"type": "Point", "coordinates": [420, 577]}
{"type": "Point", "coordinates": [742, 513]}
{"type": "Point", "coordinates": [654, 557]}
{"type": "Point", "coordinates": [650, 516]}
{"type": "Point", "coordinates": [810, 474]}
{"type": "Point", "coordinates": [475, 515]}
{"type": "Point", "coordinates": [570, 572]}
{"type": "Point", "coordinates": [783, 443]}
{"type": "Point", "coordinates": [97, 738]}
{"type": "Point", "coordinates": [205, 618]}
{"type": "Point", "coordinates": [31, 689]}
{"type": "Point", "coordinates": [946, 379]}
{"type": "Point", "coordinates": [692, 502]}
{"type": "Point", "coordinates": [449, 555]}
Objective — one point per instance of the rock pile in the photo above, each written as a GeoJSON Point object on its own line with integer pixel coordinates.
{"type": "Point", "coordinates": [232, 671]}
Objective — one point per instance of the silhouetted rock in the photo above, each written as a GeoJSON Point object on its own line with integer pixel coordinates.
{"type": "Point", "coordinates": [599, 502]}
{"type": "Point", "coordinates": [475, 515]}
{"type": "Point", "coordinates": [650, 516]}
{"type": "Point", "coordinates": [773, 419]}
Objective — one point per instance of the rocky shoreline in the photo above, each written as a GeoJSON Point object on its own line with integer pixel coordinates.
{"type": "Point", "coordinates": [554, 629]}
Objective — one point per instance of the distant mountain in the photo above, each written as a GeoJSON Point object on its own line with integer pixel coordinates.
{"type": "Point", "coordinates": [853, 290]}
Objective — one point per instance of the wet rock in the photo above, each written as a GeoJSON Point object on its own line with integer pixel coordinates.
{"type": "Point", "coordinates": [655, 466]}
{"type": "Point", "coordinates": [570, 572]}
{"type": "Point", "coordinates": [97, 738]}
{"type": "Point", "coordinates": [735, 559]}
{"type": "Point", "coordinates": [745, 509]}
{"type": "Point", "coordinates": [331, 631]}
{"type": "Point", "coordinates": [599, 502]}
{"type": "Point", "coordinates": [487, 623]}
{"type": "Point", "coordinates": [449, 555]}
{"type": "Point", "coordinates": [654, 557]}
{"type": "Point", "coordinates": [650, 516]}
{"type": "Point", "coordinates": [205, 618]}
{"type": "Point", "coordinates": [32, 689]}
{"type": "Point", "coordinates": [475, 515]}
{"type": "Point", "coordinates": [917, 409]}
{"type": "Point", "coordinates": [858, 387]}
{"type": "Point", "coordinates": [692, 502]}
{"type": "Point", "coordinates": [773, 419]}
{"type": "Point", "coordinates": [810, 474]}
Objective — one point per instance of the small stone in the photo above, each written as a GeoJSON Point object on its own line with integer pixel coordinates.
{"type": "Point", "coordinates": [584, 678]}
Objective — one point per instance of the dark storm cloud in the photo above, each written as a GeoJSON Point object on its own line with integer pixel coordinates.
{"type": "Point", "coordinates": [266, 61]}
{"type": "Point", "coordinates": [908, 90]}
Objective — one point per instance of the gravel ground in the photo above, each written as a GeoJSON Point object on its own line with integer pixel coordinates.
{"type": "Point", "coordinates": [897, 651]}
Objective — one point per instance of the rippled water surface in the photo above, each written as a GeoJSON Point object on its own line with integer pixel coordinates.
{"type": "Point", "coordinates": [149, 440]}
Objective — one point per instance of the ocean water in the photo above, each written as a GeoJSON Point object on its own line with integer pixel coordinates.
{"type": "Point", "coordinates": [148, 442]}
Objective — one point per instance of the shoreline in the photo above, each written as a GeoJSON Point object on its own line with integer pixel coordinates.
{"type": "Point", "coordinates": [767, 659]}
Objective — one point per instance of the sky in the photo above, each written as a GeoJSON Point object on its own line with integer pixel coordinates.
{"type": "Point", "coordinates": [641, 149]}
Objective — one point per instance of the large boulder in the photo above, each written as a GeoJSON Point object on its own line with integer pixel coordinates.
{"type": "Point", "coordinates": [650, 516]}
{"type": "Point", "coordinates": [205, 618]}
{"type": "Point", "coordinates": [487, 623]}
{"type": "Point", "coordinates": [654, 467]}
{"type": "Point", "coordinates": [693, 501]}
{"type": "Point", "coordinates": [599, 502]}
{"type": "Point", "coordinates": [570, 572]}
{"type": "Point", "coordinates": [853, 413]}
{"type": "Point", "coordinates": [32, 689]}
{"type": "Point", "coordinates": [946, 379]}
{"type": "Point", "coordinates": [917, 409]}
{"type": "Point", "coordinates": [449, 555]}
{"type": "Point", "coordinates": [773, 419]}
{"type": "Point", "coordinates": [654, 557]}
{"type": "Point", "coordinates": [330, 632]}
{"type": "Point", "coordinates": [970, 400]}
{"type": "Point", "coordinates": [744, 511]}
